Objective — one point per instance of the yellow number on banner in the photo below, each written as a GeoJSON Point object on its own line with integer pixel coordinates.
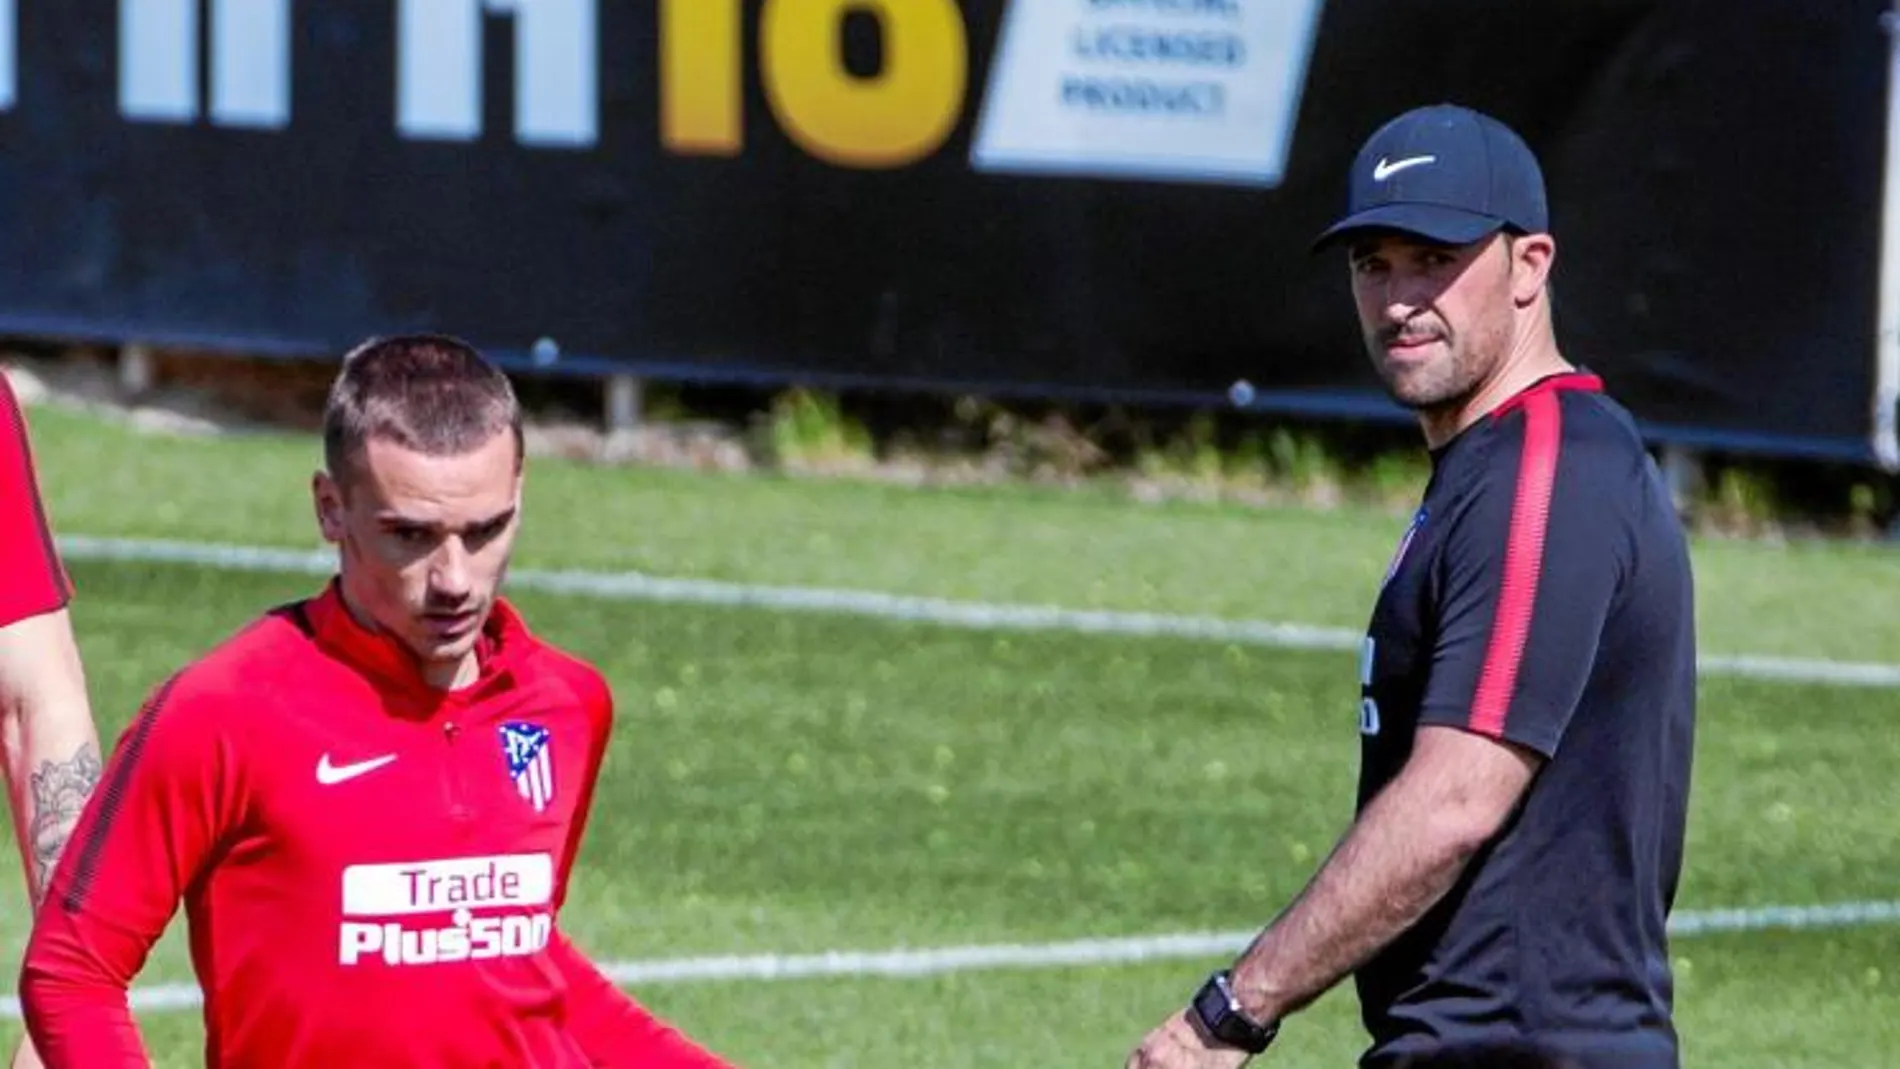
{"type": "Point", "coordinates": [902, 114]}
{"type": "Point", "coordinates": [702, 85]}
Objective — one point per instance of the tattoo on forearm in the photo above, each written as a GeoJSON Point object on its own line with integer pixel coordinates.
{"type": "Point", "coordinates": [60, 790]}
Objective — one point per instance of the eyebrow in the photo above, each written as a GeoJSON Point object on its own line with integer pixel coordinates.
{"type": "Point", "coordinates": [395, 520]}
{"type": "Point", "coordinates": [1365, 249]}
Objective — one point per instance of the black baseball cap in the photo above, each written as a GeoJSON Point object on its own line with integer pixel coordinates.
{"type": "Point", "coordinates": [1446, 173]}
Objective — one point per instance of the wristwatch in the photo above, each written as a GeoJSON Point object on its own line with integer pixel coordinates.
{"type": "Point", "coordinates": [1220, 1013]}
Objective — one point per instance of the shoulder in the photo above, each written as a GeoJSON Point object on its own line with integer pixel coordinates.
{"type": "Point", "coordinates": [12, 417]}
{"type": "Point", "coordinates": [1572, 450]}
{"type": "Point", "coordinates": [578, 676]}
{"type": "Point", "coordinates": [224, 685]}
{"type": "Point", "coordinates": [1556, 473]}
{"type": "Point", "coordinates": [1586, 431]}
{"type": "Point", "coordinates": [9, 403]}
{"type": "Point", "coordinates": [17, 479]}
{"type": "Point", "coordinates": [588, 682]}
{"type": "Point", "coordinates": [14, 450]}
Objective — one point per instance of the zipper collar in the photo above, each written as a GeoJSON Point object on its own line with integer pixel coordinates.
{"type": "Point", "coordinates": [392, 669]}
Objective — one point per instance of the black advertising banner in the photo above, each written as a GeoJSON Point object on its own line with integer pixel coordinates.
{"type": "Point", "coordinates": [1070, 197]}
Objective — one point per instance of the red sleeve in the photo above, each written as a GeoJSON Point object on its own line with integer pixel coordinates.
{"type": "Point", "coordinates": [616, 1031]}
{"type": "Point", "coordinates": [613, 1028]}
{"type": "Point", "coordinates": [142, 839]}
{"type": "Point", "coordinates": [32, 580]}
{"type": "Point", "coordinates": [1533, 562]}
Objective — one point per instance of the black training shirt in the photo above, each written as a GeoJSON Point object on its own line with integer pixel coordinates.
{"type": "Point", "coordinates": [1542, 595]}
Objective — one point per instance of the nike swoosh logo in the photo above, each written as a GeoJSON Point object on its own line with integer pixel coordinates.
{"type": "Point", "coordinates": [329, 775]}
{"type": "Point", "coordinates": [1384, 170]}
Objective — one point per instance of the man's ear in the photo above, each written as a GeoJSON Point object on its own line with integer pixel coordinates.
{"type": "Point", "coordinates": [1531, 258]}
{"type": "Point", "coordinates": [327, 498]}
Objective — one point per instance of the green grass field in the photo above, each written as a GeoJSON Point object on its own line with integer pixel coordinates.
{"type": "Point", "coordinates": [802, 783]}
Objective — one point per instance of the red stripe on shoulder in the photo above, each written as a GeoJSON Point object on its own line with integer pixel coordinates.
{"type": "Point", "coordinates": [1582, 381]}
{"type": "Point", "coordinates": [1523, 562]}
{"type": "Point", "coordinates": [112, 798]}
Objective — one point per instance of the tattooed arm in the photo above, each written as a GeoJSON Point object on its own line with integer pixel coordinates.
{"type": "Point", "coordinates": [48, 743]}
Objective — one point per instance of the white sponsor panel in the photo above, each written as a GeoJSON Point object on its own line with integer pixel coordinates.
{"type": "Point", "coordinates": [1192, 90]}
{"type": "Point", "coordinates": [521, 884]}
{"type": "Point", "coordinates": [440, 886]}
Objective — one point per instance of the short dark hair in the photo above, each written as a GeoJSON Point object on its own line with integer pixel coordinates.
{"type": "Point", "coordinates": [431, 393]}
{"type": "Point", "coordinates": [1502, 1054]}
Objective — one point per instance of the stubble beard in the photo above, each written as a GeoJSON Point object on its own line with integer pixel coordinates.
{"type": "Point", "coordinates": [1444, 383]}
{"type": "Point", "coordinates": [1435, 387]}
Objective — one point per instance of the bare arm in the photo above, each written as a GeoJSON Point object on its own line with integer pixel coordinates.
{"type": "Point", "coordinates": [1400, 858]}
{"type": "Point", "coordinates": [48, 742]}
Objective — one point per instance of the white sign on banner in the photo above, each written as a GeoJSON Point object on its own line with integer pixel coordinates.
{"type": "Point", "coordinates": [1189, 90]}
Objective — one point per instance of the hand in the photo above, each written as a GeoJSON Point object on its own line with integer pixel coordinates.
{"type": "Point", "coordinates": [25, 1057]}
{"type": "Point", "coordinates": [1180, 1044]}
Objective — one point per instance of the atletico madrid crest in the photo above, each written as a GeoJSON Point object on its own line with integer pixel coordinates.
{"type": "Point", "coordinates": [530, 762]}
{"type": "Point", "coordinates": [1405, 543]}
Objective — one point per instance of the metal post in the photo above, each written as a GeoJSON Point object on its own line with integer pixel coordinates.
{"type": "Point", "coordinates": [135, 370]}
{"type": "Point", "coordinates": [626, 395]}
{"type": "Point", "coordinates": [1886, 400]}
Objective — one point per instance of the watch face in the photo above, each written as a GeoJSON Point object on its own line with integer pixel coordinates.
{"type": "Point", "coordinates": [1211, 1003]}
{"type": "Point", "coordinates": [1221, 1015]}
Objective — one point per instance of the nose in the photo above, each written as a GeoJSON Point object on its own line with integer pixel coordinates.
{"type": "Point", "coordinates": [449, 572]}
{"type": "Point", "coordinates": [1405, 293]}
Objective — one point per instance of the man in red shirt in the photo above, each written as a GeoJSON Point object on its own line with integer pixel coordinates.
{"type": "Point", "coordinates": [48, 746]}
{"type": "Point", "coordinates": [369, 801]}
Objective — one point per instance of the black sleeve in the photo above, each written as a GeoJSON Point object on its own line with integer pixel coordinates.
{"type": "Point", "coordinates": [1532, 565]}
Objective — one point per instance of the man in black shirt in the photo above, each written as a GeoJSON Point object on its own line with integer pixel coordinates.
{"type": "Point", "coordinates": [1528, 679]}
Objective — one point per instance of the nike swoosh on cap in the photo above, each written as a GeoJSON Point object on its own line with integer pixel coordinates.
{"type": "Point", "coordinates": [1384, 170]}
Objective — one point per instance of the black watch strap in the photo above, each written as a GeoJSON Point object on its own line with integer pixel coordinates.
{"type": "Point", "coordinates": [1220, 1014]}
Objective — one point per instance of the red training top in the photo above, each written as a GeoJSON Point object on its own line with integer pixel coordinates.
{"type": "Point", "coordinates": [32, 582]}
{"type": "Point", "coordinates": [370, 867]}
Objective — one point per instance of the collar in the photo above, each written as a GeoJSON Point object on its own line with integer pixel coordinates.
{"type": "Point", "coordinates": [1576, 379]}
{"type": "Point", "coordinates": [1580, 379]}
{"type": "Point", "coordinates": [392, 669]}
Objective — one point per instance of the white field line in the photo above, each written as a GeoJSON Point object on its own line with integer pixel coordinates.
{"type": "Point", "coordinates": [976, 615]}
{"type": "Point", "coordinates": [932, 962]}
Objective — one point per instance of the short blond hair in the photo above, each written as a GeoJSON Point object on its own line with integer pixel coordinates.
{"type": "Point", "coordinates": [431, 393]}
